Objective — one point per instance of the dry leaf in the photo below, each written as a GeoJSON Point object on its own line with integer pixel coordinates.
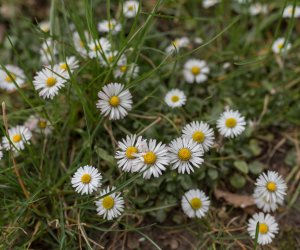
{"type": "Point", "coordinates": [236, 200]}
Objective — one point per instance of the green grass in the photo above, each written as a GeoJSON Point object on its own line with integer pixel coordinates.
{"type": "Point", "coordinates": [263, 87]}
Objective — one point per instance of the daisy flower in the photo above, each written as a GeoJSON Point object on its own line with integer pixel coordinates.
{"type": "Point", "coordinates": [195, 203]}
{"type": "Point", "coordinates": [49, 81]}
{"type": "Point", "coordinates": [1, 153]}
{"type": "Point", "coordinates": [267, 228]}
{"type": "Point", "coordinates": [107, 26]}
{"type": "Point", "coordinates": [99, 47]}
{"type": "Point", "coordinates": [111, 205]}
{"type": "Point", "coordinates": [18, 137]}
{"type": "Point", "coordinates": [290, 10]}
{"type": "Point", "coordinates": [195, 71]}
{"type": "Point", "coordinates": [280, 46]}
{"type": "Point", "coordinates": [175, 98]}
{"type": "Point", "coordinates": [271, 187]}
{"type": "Point", "coordinates": [123, 69]}
{"type": "Point", "coordinates": [198, 40]}
{"type": "Point", "coordinates": [185, 154]}
{"type": "Point", "coordinates": [258, 8]}
{"type": "Point", "coordinates": [127, 153]}
{"type": "Point", "coordinates": [70, 64]}
{"type": "Point", "coordinates": [209, 3]}
{"type": "Point", "coordinates": [177, 44]}
{"type": "Point", "coordinates": [201, 133]}
{"type": "Point", "coordinates": [15, 76]}
{"type": "Point", "coordinates": [130, 9]}
{"type": "Point", "coordinates": [38, 124]}
{"type": "Point", "coordinates": [108, 59]}
{"type": "Point", "coordinates": [44, 26]}
{"type": "Point", "coordinates": [114, 101]}
{"type": "Point", "coordinates": [86, 180]}
{"type": "Point", "coordinates": [231, 123]}
{"type": "Point", "coordinates": [262, 203]}
{"type": "Point", "coordinates": [79, 44]}
{"type": "Point", "coordinates": [48, 51]}
{"type": "Point", "coordinates": [152, 159]}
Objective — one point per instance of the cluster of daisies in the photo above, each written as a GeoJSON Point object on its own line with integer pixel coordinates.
{"type": "Point", "coordinates": [268, 195]}
{"type": "Point", "coordinates": [151, 158]}
{"type": "Point", "coordinates": [19, 136]}
{"type": "Point", "coordinates": [148, 157]}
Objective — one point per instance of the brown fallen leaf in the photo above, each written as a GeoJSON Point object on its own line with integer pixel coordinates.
{"type": "Point", "coordinates": [235, 200]}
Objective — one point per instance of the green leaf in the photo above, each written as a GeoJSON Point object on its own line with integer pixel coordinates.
{"type": "Point", "coordinates": [256, 167]}
{"type": "Point", "coordinates": [237, 181]}
{"type": "Point", "coordinates": [104, 155]}
{"type": "Point", "coordinates": [213, 174]}
{"type": "Point", "coordinates": [255, 148]}
{"type": "Point", "coordinates": [241, 166]}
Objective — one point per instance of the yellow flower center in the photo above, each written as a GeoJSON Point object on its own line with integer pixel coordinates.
{"type": "Point", "coordinates": [110, 25]}
{"type": "Point", "coordinates": [271, 186]}
{"type": "Point", "coordinates": [10, 78]}
{"type": "Point", "coordinates": [130, 151]}
{"type": "Point", "coordinates": [81, 44]}
{"type": "Point", "coordinates": [150, 158]}
{"type": "Point", "coordinates": [184, 154]}
{"type": "Point", "coordinates": [114, 101]}
{"type": "Point", "coordinates": [108, 202]}
{"type": "Point", "coordinates": [16, 138]}
{"type": "Point", "coordinates": [42, 124]}
{"type": "Point", "coordinates": [196, 203]}
{"type": "Point", "coordinates": [110, 58]}
{"type": "Point", "coordinates": [198, 136]}
{"type": "Point", "coordinates": [63, 66]}
{"type": "Point", "coordinates": [195, 70]}
{"type": "Point", "coordinates": [175, 98]}
{"type": "Point", "coordinates": [123, 68]}
{"type": "Point", "coordinates": [51, 81]}
{"type": "Point", "coordinates": [130, 7]}
{"type": "Point", "coordinates": [175, 43]}
{"type": "Point", "coordinates": [280, 46]}
{"type": "Point", "coordinates": [230, 123]}
{"type": "Point", "coordinates": [86, 178]}
{"type": "Point", "coordinates": [263, 228]}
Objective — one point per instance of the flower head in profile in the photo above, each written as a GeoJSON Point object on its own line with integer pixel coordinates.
{"type": "Point", "coordinates": [281, 46]}
{"type": "Point", "coordinates": [175, 98]}
{"type": "Point", "coordinates": [195, 71]}
{"type": "Point", "coordinates": [45, 26]}
{"type": "Point", "coordinates": [10, 76]}
{"type": "Point", "coordinates": [209, 3]}
{"type": "Point", "coordinates": [178, 43]}
{"type": "Point", "coordinates": [81, 43]}
{"type": "Point", "coordinates": [153, 159]}
{"type": "Point", "coordinates": [126, 70]}
{"type": "Point", "coordinates": [109, 26]}
{"type": "Point", "coordinates": [38, 124]}
{"type": "Point", "coordinates": [267, 227]}
{"type": "Point", "coordinates": [290, 11]}
{"type": "Point", "coordinates": [231, 123]}
{"type": "Point", "coordinates": [49, 81]}
{"type": "Point", "coordinates": [130, 8]}
{"type": "Point", "coordinates": [201, 133]}
{"type": "Point", "coordinates": [48, 51]}
{"type": "Point", "coordinates": [86, 180]}
{"type": "Point", "coordinates": [98, 48]}
{"type": "Point", "coordinates": [185, 155]}
{"type": "Point", "coordinates": [258, 8]}
{"type": "Point", "coordinates": [70, 64]}
{"type": "Point", "coordinates": [111, 204]}
{"type": "Point", "coordinates": [17, 138]}
{"type": "Point", "coordinates": [271, 187]}
{"type": "Point", "coordinates": [114, 101]}
{"type": "Point", "coordinates": [127, 153]}
{"type": "Point", "coordinates": [195, 203]}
